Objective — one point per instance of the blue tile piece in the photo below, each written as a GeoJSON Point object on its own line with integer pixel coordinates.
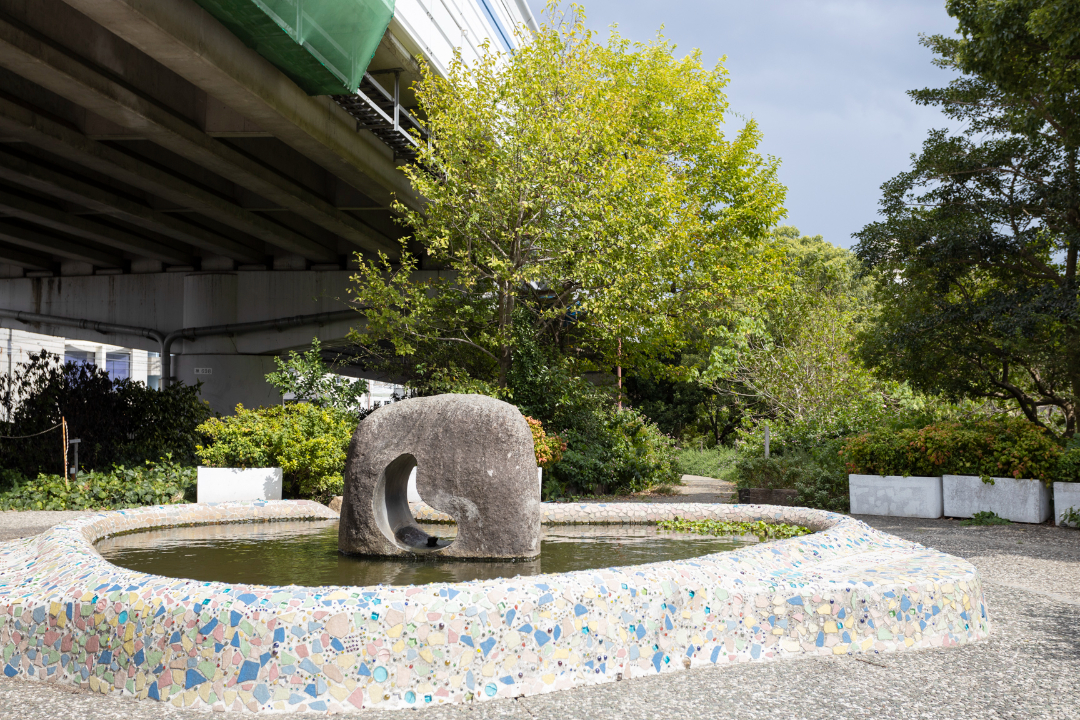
{"type": "Point", "coordinates": [715, 655]}
{"type": "Point", "coordinates": [279, 634]}
{"type": "Point", "coordinates": [558, 632]}
{"type": "Point", "coordinates": [152, 691]}
{"type": "Point", "coordinates": [755, 651]}
{"type": "Point", "coordinates": [10, 671]}
{"type": "Point", "coordinates": [580, 610]}
{"type": "Point", "coordinates": [318, 705]}
{"type": "Point", "coordinates": [467, 640]}
{"type": "Point", "coordinates": [541, 638]}
{"type": "Point", "coordinates": [795, 601]}
{"type": "Point", "coordinates": [336, 644]}
{"type": "Point", "coordinates": [510, 616]}
{"type": "Point", "coordinates": [487, 645]}
{"type": "Point", "coordinates": [506, 680]}
{"type": "Point", "coordinates": [295, 699]}
{"type": "Point", "coordinates": [690, 651]}
{"type": "Point", "coordinates": [235, 642]}
{"type": "Point", "coordinates": [249, 671]}
{"type": "Point", "coordinates": [248, 599]}
{"type": "Point", "coordinates": [310, 690]}
{"type": "Point", "coordinates": [234, 618]}
{"type": "Point", "coordinates": [640, 631]}
{"type": "Point", "coordinates": [820, 642]}
{"type": "Point", "coordinates": [470, 681]}
{"type": "Point", "coordinates": [308, 666]}
{"type": "Point", "coordinates": [545, 599]}
{"type": "Point", "coordinates": [261, 693]}
{"type": "Point", "coordinates": [105, 658]}
{"type": "Point", "coordinates": [657, 659]}
{"type": "Point", "coordinates": [526, 628]}
{"type": "Point", "coordinates": [364, 670]}
{"type": "Point", "coordinates": [193, 678]}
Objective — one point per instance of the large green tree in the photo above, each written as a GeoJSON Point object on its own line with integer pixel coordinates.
{"type": "Point", "coordinates": [587, 187]}
{"type": "Point", "coordinates": [796, 362]}
{"type": "Point", "coordinates": [976, 256]}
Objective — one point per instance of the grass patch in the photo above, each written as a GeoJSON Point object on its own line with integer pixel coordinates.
{"type": "Point", "coordinates": [760, 529]}
{"type": "Point", "coordinates": [718, 462]}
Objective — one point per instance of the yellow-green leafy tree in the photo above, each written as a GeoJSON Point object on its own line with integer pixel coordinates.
{"type": "Point", "coordinates": [590, 190]}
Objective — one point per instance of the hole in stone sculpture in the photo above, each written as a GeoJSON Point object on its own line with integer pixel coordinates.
{"type": "Point", "coordinates": [392, 513]}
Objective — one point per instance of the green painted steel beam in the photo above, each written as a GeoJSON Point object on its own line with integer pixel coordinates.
{"type": "Point", "coordinates": [324, 46]}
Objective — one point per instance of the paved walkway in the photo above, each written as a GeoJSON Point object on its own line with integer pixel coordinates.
{"type": "Point", "coordinates": [1029, 668]}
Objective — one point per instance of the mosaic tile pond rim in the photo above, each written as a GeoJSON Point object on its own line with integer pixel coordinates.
{"type": "Point", "coordinates": [67, 615]}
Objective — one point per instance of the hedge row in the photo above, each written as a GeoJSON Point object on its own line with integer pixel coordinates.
{"type": "Point", "coordinates": [1000, 447]}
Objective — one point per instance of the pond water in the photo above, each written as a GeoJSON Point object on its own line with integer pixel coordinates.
{"type": "Point", "coordinates": [306, 553]}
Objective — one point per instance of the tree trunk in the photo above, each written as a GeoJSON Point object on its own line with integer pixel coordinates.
{"type": "Point", "coordinates": [506, 328]}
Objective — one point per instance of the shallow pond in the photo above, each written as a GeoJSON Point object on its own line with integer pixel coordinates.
{"type": "Point", "coordinates": [306, 553]}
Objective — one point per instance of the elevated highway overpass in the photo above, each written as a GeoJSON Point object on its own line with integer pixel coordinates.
{"type": "Point", "coordinates": [183, 164]}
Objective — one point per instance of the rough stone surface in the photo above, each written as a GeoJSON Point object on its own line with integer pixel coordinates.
{"type": "Point", "coordinates": [474, 461]}
{"type": "Point", "coordinates": [896, 496]}
{"type": "Point", "coordinates": [1026, 501]}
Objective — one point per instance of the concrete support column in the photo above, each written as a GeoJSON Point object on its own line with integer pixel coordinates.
{"type": "Point", "coordinates": [211, 299]}
{"type": "Point", "coordinates": [229, 379]}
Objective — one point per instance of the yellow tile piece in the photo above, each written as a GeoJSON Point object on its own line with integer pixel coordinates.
{"type": "Point", "coordinates": [824, 610]}
{"type": "Point", "coordinates": [345, 660]}
{"type": "Point", "coordinates": [428, 657]}
{"type": "Point", "coordinates": [399, 646]}
{"type": "Point", "coordinates": [488, 670]}
{"type": "Point", "coordinates": [548, 679]}
{"type": "Point", "coordinates": [395, 631]}
{"type": "Point", "coordinates": [830, 626]}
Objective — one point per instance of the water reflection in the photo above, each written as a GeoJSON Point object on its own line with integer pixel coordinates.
{"type": "Point", "coordinates": [305, 553]}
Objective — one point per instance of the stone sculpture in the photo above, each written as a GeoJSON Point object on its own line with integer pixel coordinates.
{"type": "Point", "coordinates": [474, 460]}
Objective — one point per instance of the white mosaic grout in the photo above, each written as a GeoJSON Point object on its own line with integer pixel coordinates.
{"type": "Point", "coordinates": [67, 615]}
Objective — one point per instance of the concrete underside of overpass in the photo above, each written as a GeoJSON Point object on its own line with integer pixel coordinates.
{"type": "Point", "coordinates": [156, 172]}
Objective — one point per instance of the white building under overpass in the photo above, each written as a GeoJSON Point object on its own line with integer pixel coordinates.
{"type": "Point", "coordinates": [195, 177]}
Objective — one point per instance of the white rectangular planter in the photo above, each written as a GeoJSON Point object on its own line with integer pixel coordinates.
{"type": "Point", "coordinates": [238, 484]}
{"type": "Point", "coordinates": [1026, 501]}
{"type": "Point", "coordinates": [1066, 495]}
{"type": "Point", "coordinates": [895, 496]}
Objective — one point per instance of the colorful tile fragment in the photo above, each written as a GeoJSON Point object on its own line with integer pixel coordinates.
{"type": "Point", "coordinates": [69, 616]}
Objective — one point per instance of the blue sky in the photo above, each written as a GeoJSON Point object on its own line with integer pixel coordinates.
{"type": "Point", "coordinates": [826, 81]}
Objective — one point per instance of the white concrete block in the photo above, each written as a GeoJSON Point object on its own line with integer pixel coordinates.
{"type": "Point", "coordinates": [1066, 495]}
{"type": "Point", "coordinates": [238, 484]}
{"type": "Point", "coordinates": [895, 496]}
{"type": "Point", "coordinates": [1026, 501]}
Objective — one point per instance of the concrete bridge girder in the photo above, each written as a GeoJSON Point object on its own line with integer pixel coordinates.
{"type": "Point", "coordinates": [172, 301]}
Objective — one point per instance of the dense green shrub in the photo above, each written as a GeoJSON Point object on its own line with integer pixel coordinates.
{"type": "Point", "coordinates": [1001, 447]}
{"type": "Point", "coordinates": [617, 452]}
{"type": "Point", "coordinates": [118, 421]}
{"type": "Point", "coordinates": [1068, 465]}
{"type": "Point", "coordinates": [818, 476]}
{"type": "Point", "coordinates": [153, 484]}
{"type": "Point", "coordinates": [308, 443]}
